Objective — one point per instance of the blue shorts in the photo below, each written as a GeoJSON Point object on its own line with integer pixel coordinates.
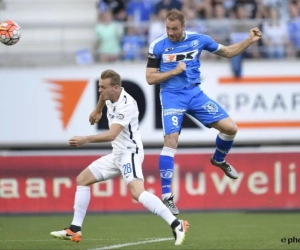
{"type": "Point", "coordinates": [192, 100]}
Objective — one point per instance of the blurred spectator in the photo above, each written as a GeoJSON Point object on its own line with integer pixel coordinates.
{"type": "Point", "coordinates": [158, 26]}
{"type": "Point", "coordinates": [203, 8]}
{"type": "Point", "coordinates": [275, 35]}
{"type": "Point", "coordinates": [133, 45]}
{"type": "Point", "coordinates": [139, 13]}
{"type": "Point", "coordinates": [108, 38]}
{"type": "Point", "coordinates": [296, 3]}
{"type": "Point", "coordinates": [294, 29]}
{"type": "Point", "coordinates": [240, 31]}
{"type": "Point", "coordinates": [279, 5]}
{"type": "Point", "coordinates": [226, 4]}
{"type": "Point", "coordinates": [117, 7]}
{"type": "Point", "coordinates": [189, 4]}
{"type": "Point", "coordinates": [226, 21]}
{"type": "Point", "coordinates": [249, 5]}
{"type": "Point", "coordinates": [191, 23]}
{"type": "Point", "coordinates": [219, 26]}
{"type": "Point", "coordinates": [168, 4]}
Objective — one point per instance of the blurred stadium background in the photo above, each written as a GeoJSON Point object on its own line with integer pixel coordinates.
{"type": "Point", "coordinates": [48, 87]}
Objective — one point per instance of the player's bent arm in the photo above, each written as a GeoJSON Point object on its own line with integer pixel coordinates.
{"type": "Point", "coordinates": [153, 76]}
{"type": "Point", "coordinates": [100, 105]}
{"type": "Point", "coordinates": [108, 136]}
{"type": "Point", "coordinates": [234, 49]}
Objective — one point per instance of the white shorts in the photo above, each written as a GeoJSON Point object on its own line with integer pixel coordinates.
{"type": "Point", "coordinates": [109, 166]}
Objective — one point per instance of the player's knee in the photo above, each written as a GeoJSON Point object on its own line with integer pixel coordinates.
{"type": "Point", "coordinates": [81, 180]}
{"type": "Point", "coordinates": [230, 129]}
{"type": "Point", "coordinates": [171, 140]}
{"type": "Point", "coordinates": [233, 129]}
{"type": "Point", "coordinates": [136, 188]}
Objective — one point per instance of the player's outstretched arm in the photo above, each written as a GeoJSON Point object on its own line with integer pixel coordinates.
{"type": "Point", "coordinates": [236, 49]}
{"type": "Point", "coordinates": [108, 136]}
{"type": "Point", "coordinates": [153, 76]}
{"type": "Point", "coordinates": [96, 114]}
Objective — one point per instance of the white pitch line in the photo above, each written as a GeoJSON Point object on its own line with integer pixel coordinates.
{"type": "Point", "coordinates": [132, 244]}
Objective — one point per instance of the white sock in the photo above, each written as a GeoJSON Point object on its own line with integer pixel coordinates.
{"type": "Point", "coordinates": [82, 200]}
{"type": "Point", "coordinates": [155, 205]}
{"type": "Point", "coordinates": [168, 151]}
{"type": "Point", "coordinates": [166, 195]}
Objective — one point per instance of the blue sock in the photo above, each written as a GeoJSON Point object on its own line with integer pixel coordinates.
{"type": "Point", "coordinates": [166, 168]}
{"type": "Point", "coordinates": [223, 145]}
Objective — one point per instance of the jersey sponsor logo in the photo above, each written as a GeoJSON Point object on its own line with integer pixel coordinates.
{"type": "Point", "coordinates": [174, 111]}
{"type": "Point", "coordinates": [151, 56]}
{"type": "Point", "coordinates": [181, 46]}
{"type": "Point", "coordinates": [211, 107]}
{"type": "Point", "coordinates": [183, 56]}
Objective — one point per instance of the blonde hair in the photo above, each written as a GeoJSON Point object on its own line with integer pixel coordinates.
{"type": "Point", "coordinates": [175, 14]}
{"type": "Point", "coordinates": [115, 78]}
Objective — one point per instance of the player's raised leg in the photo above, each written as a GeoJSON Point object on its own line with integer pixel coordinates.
{"type": "Point", "coordinates": [224, 142]}
{"type": "Point", "coordinates": [211, 114]}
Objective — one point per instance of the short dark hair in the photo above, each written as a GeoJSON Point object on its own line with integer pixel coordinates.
{"type": "Point", "coordinates": [175, 14]}
{"type": "Point", "coordinates": [115, 78]}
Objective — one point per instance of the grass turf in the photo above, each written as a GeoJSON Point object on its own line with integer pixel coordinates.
{"type": "Point", "coordinates": [207, 231]}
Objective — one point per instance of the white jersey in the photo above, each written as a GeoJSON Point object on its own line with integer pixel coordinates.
{"type": "Point", "coordinates": [126, 113]}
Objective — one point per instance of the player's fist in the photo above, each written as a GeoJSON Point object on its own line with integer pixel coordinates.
{"type": "Point", "coordinates": [95, 117]}
{"type": "Point", "coordinates": [181, 66]}
{"type": "Point", "coordinates": [77, 141]}
{"type": "Point", "coordinates": [255, 34]}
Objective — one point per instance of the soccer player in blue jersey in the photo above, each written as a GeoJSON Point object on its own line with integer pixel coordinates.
{"type": "Point", "coordinates": [173, 62]}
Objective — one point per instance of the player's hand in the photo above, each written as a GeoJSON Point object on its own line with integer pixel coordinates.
{"type": "Point", "coordinates": [77, 141]}
{"type": "Point", "coordinates": [95, 117]}
{"type": "Point", "coordinates": [255, 34]}
{"type": "Point", "coordinates": [181, 66]}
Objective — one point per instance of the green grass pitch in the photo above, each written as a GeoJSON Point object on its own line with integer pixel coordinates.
{"type": "Point", "coordinates": [216, 230]}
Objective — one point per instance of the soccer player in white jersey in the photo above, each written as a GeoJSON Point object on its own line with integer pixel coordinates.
{"type": "Point", "coordinates": [126, 159]}
{"type": "Point", "coordinates": [174, 62]}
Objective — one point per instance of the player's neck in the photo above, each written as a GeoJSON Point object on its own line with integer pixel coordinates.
{"type": "Point", "coordinates": [116, 97]}
{"type": "Point", "coordinates": [183, 36]}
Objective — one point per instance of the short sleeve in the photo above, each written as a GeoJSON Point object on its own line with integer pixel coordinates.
{"type": "Point", "coordinates": [154, 56]}
{"type": "Point", "coordinates": [210, 44]}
